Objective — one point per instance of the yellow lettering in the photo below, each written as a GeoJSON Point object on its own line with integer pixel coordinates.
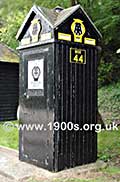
{"type": "Point", "coordinates": [76, 58]}
{"type": "Point", "coordinates": [81, 59]}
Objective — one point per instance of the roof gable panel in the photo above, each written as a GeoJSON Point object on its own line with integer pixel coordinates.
{"type": "Point", "coordinates": [25, 25]}
{"type": "Point", "coordinates": [54, 18]}
{"type": "Point", "coordinates": [67, 13]}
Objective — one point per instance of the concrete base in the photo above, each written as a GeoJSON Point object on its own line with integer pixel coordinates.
{"type": "Point", "coordinates": [15, 170]}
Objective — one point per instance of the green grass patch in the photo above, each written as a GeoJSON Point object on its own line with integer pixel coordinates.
{"type": "Point", "coordinates": [9, 135]}
{"type": "Point", "coordinates": [112, 170]}
{"type": "Point", "coordinates": [108, 144]}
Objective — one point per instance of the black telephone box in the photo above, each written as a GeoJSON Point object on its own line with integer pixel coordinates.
{"type": "Point", "coordinates": [58, 87]}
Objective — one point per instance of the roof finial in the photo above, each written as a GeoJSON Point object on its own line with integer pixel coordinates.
{"type": "Point", "coordinates": [58, 9]}
{"type": "Point", "coordinates": [74, 2]}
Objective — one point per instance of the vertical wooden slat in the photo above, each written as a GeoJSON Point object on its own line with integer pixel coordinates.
{"type": "Point", "coordinates": [9, 91]}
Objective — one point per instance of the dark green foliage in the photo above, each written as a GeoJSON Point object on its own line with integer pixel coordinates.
{"type": "Point", "coordinates": [105, 14]}
{"type": "Point", "coordinates": [109, 102]}
{"type": "Point", "coordinates": [12, 14]}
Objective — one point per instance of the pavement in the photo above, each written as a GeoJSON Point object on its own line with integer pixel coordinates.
{"type": "Point", "coordinates": [13, 170]}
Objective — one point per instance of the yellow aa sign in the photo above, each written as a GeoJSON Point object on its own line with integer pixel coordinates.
{"type": "Point", "coordinates": [78, 30]}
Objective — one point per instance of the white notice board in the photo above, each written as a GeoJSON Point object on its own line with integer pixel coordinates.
{"type": "Point", "coordinates": [36, 74]}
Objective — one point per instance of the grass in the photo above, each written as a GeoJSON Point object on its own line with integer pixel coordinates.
{"type": "Point", "coordinates": [112, 170]}
{"type": "Point", "coordinates": [109, 145]}
{"type": "Point", "coordinates": [109, 102]}
{"type": "Point", "coordinates": [109, 107]}
{"type": "Point", "coordinates": [9, 135]}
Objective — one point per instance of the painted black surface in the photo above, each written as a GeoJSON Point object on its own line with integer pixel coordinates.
{"type": "Point", "coordinates": [37, 146]}
{"type": "Point", "coordinates": [9, 90]}
{"type": "Point", "coordinates": [69, 95]}
{"type": "Point", "coordinates": [75, 93]}
{"type": "Point", "coordinates": [65, 27]}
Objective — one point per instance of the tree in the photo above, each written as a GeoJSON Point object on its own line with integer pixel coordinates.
{"type": "Point", "coordinates": [104, 13]}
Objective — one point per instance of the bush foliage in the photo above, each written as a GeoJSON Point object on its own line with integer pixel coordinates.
{"type": "Point", "coordinates": [104, 13]}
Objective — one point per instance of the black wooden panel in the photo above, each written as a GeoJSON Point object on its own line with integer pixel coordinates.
{"type": "Point", "coordinates": [37, 147]}
{"type": "Point", "coordinates": [76, 101]}
{"type": "Point", "coordinates": [9, 91]}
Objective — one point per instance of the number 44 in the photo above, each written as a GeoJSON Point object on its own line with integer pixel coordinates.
{"type": "Point", "coordinates": [78, 58]}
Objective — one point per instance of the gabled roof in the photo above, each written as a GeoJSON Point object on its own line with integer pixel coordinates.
{"type": "Point", "coordinates": [8, 55]}
{"type": "Point", "coordinates": [55, 18]}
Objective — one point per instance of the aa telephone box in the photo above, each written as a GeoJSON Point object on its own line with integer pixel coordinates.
{"type": "Point", "coordinates": [59, 51]}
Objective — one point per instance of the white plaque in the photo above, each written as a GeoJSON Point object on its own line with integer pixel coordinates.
{"type": "Point", "coordinates": [36, 74]}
